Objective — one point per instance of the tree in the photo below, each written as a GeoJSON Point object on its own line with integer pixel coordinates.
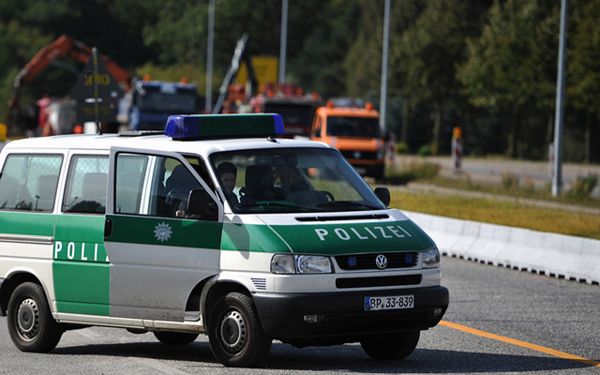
{"type": "Point", "coordinates": [583, 76]}
{"type": "Point", "coordinates": [509, 67]}
{"type": "Point", "coordinates": [426, 56]}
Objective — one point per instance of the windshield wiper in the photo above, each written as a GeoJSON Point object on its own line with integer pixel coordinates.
{"type": "Point", "coordinates": [349, 204]}
{"type": "Point", "coordinates": [276, 204]}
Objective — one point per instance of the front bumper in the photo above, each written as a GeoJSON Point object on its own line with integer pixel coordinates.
{"type": "Point", "coordinates": [343, 315]}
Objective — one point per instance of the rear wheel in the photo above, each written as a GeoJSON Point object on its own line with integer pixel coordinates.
{"type": "Point", "coordinates": [235, 333]}
{"type": "Point", "coordinates": [391, 346]}
{"type": "Point", "coordinates": [176, 338]}
{"type": "Point", "coordinates": [30, 323]}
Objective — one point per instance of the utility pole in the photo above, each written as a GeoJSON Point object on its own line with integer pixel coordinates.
{"type": "Point", "coordinates": [384, 66]}
{"type": "Point", "coordinates": [560, 97]}
{"type": "Point", "coordinates": [95, 88]}
{"type": "Point", "coordinates": [209, 56]}
{"type": "Point", "coordinates": [283, 41]}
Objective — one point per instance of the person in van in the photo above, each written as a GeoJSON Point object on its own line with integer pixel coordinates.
{"type": "Point", "coordinates": [178, 187]}
{"type": "Point", "coordinates": [227, 173]}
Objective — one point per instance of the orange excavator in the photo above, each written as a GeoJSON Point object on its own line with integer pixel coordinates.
{"type": "Point", "coordinates": [64, 46]}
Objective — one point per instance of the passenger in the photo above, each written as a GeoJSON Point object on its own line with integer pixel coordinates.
{"type": "Point", "coordinates": [227, 173]}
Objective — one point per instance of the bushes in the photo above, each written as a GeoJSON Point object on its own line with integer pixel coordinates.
{"type": "Point", "coordinates": [582, 187]}
{"type": "Point", "coordinates": [415, 170]}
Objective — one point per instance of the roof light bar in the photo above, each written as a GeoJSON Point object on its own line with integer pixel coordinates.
{"type": "Point", "coordinates": [197, 127]}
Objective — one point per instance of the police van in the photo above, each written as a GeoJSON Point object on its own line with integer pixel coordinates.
{"type": "Point", "coordinates": [214, 226]}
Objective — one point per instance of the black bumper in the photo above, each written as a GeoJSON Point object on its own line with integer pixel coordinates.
{"type": "Point", "coordinates": [343, 315]}
{"type": "Point", "coordinates": [2, 298]}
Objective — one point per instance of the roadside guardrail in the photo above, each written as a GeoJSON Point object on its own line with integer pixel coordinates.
{"type": "Point", "coordinates": [556, 255]}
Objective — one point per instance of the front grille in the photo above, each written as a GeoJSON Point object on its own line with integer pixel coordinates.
{"type": "Point", "coordinates": [366, 282]}
{"type": "Point", "coordinates": [367, 261]}
{"type": "Point", "coordinates": [360, 155]}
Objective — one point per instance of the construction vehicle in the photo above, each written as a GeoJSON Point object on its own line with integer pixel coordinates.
{"type": "Point", "coordinates": [296, 108]}
{"type": "Point", "coordinates": [355, 133]}
{"type": "Point", "coordinates": [64, 46]}
{"type": "Point", "coordinates": [150, 103]}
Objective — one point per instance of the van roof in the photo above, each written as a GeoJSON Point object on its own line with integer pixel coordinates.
{"type": "Point", "coordinates": [152, 142]}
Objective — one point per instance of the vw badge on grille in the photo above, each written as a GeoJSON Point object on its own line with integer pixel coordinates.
{"type": "Point", "coordinates": [381, 261]}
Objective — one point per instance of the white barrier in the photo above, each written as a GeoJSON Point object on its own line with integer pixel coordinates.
{"type": "Point", "coordinates": [556, 255]}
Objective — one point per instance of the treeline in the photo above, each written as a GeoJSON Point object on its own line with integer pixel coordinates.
{"type": "Point", "coordinates": [487, 66]}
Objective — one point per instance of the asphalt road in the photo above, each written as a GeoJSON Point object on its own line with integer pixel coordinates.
{"type": "Point", "coordinates": [491, 170]}
{"type": "Point", "coordinates": [554, 314]}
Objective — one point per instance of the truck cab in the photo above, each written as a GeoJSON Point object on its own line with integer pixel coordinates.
{"type": "Point", "coordinates": [355, 132]}
{"type": "Point", "coordinates": [151, 103]}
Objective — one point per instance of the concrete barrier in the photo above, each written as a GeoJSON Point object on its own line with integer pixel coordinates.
{"type": "Point", "coordinates": [552, 254]}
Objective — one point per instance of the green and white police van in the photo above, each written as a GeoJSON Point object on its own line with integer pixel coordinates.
{"type": "Point", "coordinates": [143, 232]}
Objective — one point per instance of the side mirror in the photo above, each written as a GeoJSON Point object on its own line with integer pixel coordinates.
{"type": "Point", "coordinates": [383, 194]}
{"type": "Point", "coordinates": [201, 206]}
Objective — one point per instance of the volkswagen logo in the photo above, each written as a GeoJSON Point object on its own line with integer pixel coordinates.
{"type": "Point", "coordinates": [381, 261]}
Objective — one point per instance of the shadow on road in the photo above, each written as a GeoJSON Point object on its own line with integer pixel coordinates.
{"type": "Point", "coordinates": [340, 358]}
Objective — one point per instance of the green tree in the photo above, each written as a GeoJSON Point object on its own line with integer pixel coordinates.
{"type": "Point", "coordinates": [426, 56]}
{"type": "Point", "coordinates": [583, 76]}
{"type": "Point", "coordinates": [509, 68]}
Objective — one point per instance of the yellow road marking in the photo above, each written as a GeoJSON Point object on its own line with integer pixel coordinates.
{"type": "Point", "coordinates": [523, 344]}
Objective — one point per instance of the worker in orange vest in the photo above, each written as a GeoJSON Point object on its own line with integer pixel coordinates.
{"type": "Point", "coordinates": [457, 148]}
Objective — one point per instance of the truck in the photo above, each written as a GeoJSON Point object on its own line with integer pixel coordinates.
{"type": "Point", "coordinates": [355, 132]}
{"type": "Point", "coordinates": [296, 108]}
{"type": "Point", "coordinates": [150, 103]}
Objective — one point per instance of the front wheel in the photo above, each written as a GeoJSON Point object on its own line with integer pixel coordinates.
{"type": "Point", "coordinates": [391, 346]}
{"type": "Point", "coordinates": [175, 338]}
{"type": "Point", "coordinates": [30, 323]}
{"type": "Point", "coordinates": [235, 333]}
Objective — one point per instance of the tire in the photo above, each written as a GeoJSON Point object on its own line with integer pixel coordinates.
{"type": "Point", "coordinates": [176, 338]}
{"type": "Point", "coordinates": [392, 346]}
{"type": "Point", "coordinates": [30, 323]}
{"type": "Point", "coordinates": [235, 334]}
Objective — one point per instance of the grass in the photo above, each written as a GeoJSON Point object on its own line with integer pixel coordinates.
{"type": "Point", "coordinates": [502, 213]}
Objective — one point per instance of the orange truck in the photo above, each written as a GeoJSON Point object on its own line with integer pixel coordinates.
{"type": "Point", "coordinates": [355, 132]}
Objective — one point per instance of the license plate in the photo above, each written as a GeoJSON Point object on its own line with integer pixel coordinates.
{"type": "Point", "coordinates": [389, 303]}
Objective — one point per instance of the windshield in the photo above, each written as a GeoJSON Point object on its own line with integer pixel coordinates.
{"type": "Point", "coordinates": [292, 114]}
{"type": "Point", "coordinates": [357, 127]}
{"type": "Point", "coordinates": [291, 180]}
{"type": "Point", "coordinates": [180, 102]}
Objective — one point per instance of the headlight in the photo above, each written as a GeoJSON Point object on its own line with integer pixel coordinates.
{"type": "Point", "coordinates": [313, 264]}
{"type": "Point", "coordinates": [431, 258]}
{"type": "Point", "coordinates": [283, 263]}
{"type": "Point", "coordinates": [290, 264]}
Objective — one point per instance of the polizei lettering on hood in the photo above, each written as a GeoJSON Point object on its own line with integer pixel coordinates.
{"type": "Point", "coordinates": [363, 233]}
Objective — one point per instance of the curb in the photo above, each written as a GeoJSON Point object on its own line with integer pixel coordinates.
{"type": "Point", "coordinates": [551, 254]}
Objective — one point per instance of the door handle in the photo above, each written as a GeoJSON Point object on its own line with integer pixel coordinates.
{"type": "Point", "coordinates": [107, 228]}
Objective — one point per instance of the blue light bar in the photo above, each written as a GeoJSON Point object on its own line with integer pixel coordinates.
{"type": "Point", "coordinates": [192, 127]}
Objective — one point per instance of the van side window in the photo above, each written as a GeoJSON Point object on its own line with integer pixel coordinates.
{"type": "Point", "coordinates": [129, 182]}
{"type": "Point", "coordinates": [28, 182]}
{"type": "Point", "coordinates": [164, 194]}
{"type": "Point", "coordinates": [178, 183]}
{"type": "Point", "coordinates": [86, 185]}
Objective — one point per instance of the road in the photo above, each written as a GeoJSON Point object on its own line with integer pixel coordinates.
{"type": "Point", "coordinates": [492, 170]}
{"type": "Point", "coordinates": [553, 314]}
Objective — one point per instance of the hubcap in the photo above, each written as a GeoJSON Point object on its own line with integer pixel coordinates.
{"type": "Point", "coordinates": [233, 331]}
{"type": "Point", "coordinates": [28, 319]}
